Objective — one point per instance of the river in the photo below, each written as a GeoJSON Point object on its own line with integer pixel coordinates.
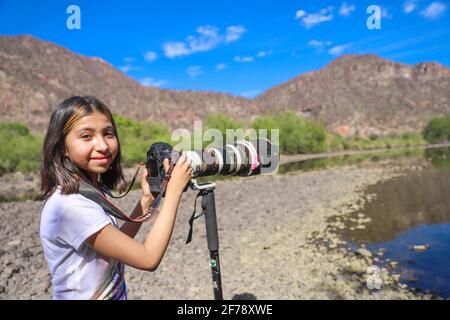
{"type": "Point", "coordinates": [409, 229]}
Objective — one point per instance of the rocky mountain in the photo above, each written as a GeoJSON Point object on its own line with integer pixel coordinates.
{"type": "Point", "coordinates": [365, 94]}
{"type": "Point", "coordinates": [354, 94]}
{"type": "Point", "coordinates": [36, 75]}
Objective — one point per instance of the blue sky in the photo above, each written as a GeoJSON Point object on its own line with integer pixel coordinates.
{"type": "Point", "coordinates": [238, 47]}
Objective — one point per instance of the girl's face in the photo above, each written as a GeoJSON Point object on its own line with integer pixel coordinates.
{"type": "Point", "coordinates": [92, 145]}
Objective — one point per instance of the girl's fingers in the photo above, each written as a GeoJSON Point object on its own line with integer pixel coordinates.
{"type": "Point", "coordinates": [166, 164]}
{"type": "Point", "coordinates": [188, 163]}
{"type": "Point", "coordinates": [181, 160]}
{"type": "Point", "coordinates": [144, 175]}
{"type": "Point", "coordinates": [189, 172]}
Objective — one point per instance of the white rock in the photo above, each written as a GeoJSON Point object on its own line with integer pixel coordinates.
{"type": "Point", "coordinates": [14, 243]}
{"type": "Point", "coordinates": [420, 247]}
{"type": "Point", "coordinates": [393, 264]}
{"type": "Point", "coordinates": [364, 252]}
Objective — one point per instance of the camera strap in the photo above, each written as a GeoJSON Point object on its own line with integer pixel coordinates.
{"type": "Point", "coordinates": [193, 217]}
{"type": "Point", "coordinates": [92, 193]}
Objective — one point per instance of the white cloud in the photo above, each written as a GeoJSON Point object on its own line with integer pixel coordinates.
{"type": "Point", "coordinates": [338, 50]}
{"type": "Point", "coordinates": [300, 14]}
{"type": "Point", "coordinates": [434, 11]}
{"type": "Point", "coordinates": [175, 49]}
{"type": "Point", "coordinates": [315, 44]}
{"type": "Point", "coordinates": [309, 20]}
{"type": "Point", "coordinates": [207, 38]}
{"type": "Point", "coordinates": [243, 59]}
{"type": "Point", "coordinates": [409, 6]}
{"type": "Point", "coordinates": [194, 71]}
{"type": "Point", "coordinates": [346, 10]}
{"type": "Point", "coordinates": [220, 66]}
{"type": "Point", "coordinates": [263, 54]}
{"type": "Point", "coordinates": [128, 60]}
{"type": "Point", "coordinates": [150, 56]}
{"type": "Point", "coordinates": [234, 33]}
{"type": "Point", "coordinates": [151, 82]}
{"type": "Point", "coordinates": [319, 45]}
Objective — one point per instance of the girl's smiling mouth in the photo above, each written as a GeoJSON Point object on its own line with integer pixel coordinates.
{"type": "Point", "coordinates": [101, 159]}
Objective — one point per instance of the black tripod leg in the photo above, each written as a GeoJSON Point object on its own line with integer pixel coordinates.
{"type": "Point", "coordinates": [215, 270]}
{"type": "Point", "coordinates": [212, 236]}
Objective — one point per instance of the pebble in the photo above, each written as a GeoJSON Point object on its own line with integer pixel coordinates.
{"type": "Point", "coordinates": [358, 266]}
{"type": "Point", "coordinates": [393, 264]}
{"type": "Point", "coordinates": [364, 252]}
{"type": "Point", "coordinates": [420, 248]}
{"type": "Point", "coordinates": [14, 243]}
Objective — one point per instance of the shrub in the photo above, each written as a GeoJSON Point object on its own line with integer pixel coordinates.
{"type": "Point", "coordinates": [222, 122]}
{"type": "Point", "coordinates": [297, 135]}
{"type": "Point", "coordinates": [437, 130]}
{"type": "Point", "coordinates": [136, 137]}
{"type": "Point", "coordinates": [19, 149]}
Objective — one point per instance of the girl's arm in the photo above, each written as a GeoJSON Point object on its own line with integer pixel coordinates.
{"type": "Point", "coordinates": [114, 243]}
{"type": "Point", "coordinates": [132, 228]}
{"type": "Point", "coordinates": [144, 204]}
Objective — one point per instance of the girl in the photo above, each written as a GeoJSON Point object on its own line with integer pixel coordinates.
{"type": "Point", "coordinates": [84, 247]}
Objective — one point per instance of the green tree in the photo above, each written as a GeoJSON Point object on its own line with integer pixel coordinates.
{"type": "Point", "coordinates": [19, 149]}
{"type": "Point", "coordinates": [437, 130]}
{"type": "Point", "coordinates": [136, 137]}
{"type": "Point", "coordinates": [297, 135]}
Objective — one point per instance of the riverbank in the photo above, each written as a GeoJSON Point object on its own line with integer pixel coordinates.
{"type": "Point", "coordinates": [285, 159]}
{"type": "Point", "coordinates": [276, 242]}
{"type": "Point", "coordinates": [21, 186]}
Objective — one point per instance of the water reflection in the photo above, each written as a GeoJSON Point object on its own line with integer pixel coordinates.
{"type": "Point", "coordinates": [404, 203]}
{"type": "Point", "coordinates": [440, 157]}
{"type": "Point", "coordinates": [308, 165]}
{"type": "Point", "coordinates": [408, 211]}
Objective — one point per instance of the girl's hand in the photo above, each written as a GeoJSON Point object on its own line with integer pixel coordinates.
{"type": "Point", "coordinates": [147, 197]}
{"type": "Point", "coordinates": [181, 175]}
{"type": "Point", "coordinates": [146, 193]}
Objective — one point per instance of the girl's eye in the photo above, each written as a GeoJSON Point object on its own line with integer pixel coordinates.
{"type": "Point", "coordinates": [110, 133]}
{"type": "Point", "coordinates": [85, 136]}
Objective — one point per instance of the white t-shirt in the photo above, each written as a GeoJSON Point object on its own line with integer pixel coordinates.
{"type": "Point", "coordinates": [78, 271]}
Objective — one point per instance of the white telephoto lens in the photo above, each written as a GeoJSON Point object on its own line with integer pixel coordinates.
{"type": "Point", "coordinates": [196, 162]}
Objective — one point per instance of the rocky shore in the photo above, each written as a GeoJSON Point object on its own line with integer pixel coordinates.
{"type": "Point", "coordinates": [277, 234]}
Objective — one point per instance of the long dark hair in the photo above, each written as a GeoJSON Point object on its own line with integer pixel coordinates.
{"type": "Point", "coordinates": [56, 168]}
